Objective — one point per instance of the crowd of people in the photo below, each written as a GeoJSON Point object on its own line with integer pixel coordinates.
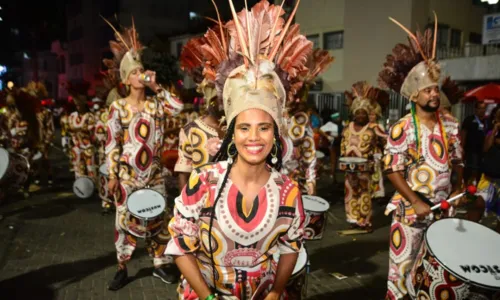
{"type": "Point", "coordinates": [244, 166]}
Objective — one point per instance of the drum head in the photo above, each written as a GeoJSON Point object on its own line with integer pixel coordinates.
{"type": "Point", "coordinates": [4, 162]}
{"type": "Point", "coordinates": [301, 260]}
{"type": "Point", "coordinates": [467, 250]}
{"type": "Point", "coordinates": [320, 154]}
{"type": "Point", "coordinates": [315, 203]}
{"type": "Point", "coordinates": [83, 187]}
{"type": "Point", "coordinates": [103, 169]}
{"type": "Point", "coordinates": [353, 159]}
{"type": "Point", "coordinates": [146, 203]}
{"type": "Point", "coordinates": [37, 156]}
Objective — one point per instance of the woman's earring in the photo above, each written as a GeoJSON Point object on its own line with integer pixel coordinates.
{"type": "Point", "coordinates": [274, 155]}
{"type": "Point", "coordinates": [230, 155]}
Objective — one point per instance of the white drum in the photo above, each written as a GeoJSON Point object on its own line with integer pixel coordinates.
{"type": "Point", "coordinates": [14, 169]}
{"type": "Point", "coordinates": [83, 187]}
{"type": "Point", "coordinates": [353, 164]}
{"type": "Point", "coordinates": [320, 154]}
{"type": "Point", "coordinates": [460, 258]}
{"type": "Point", "coordinates": [316, 210]}
{"type": "Point", "coordinates": [37, 156]}
{"type": "Point", "coordinates": [297, 283]}
{"type": "Point", "coordinates": [145, 213]}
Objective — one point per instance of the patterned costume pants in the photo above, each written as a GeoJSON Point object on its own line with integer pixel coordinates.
{"type": "Point", "coordinates": [358, 202]}
{"type": "Point", "coordinates": [404, 245]}
{"type": "Point", "coordinates": [125, 242]}
{"type": "Point", "coordinates": [83, 161]}
{"type": "Point", "coordinates": [377, 180]}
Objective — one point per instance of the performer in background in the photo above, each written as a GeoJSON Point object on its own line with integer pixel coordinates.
{"type": "Point", "coordinates": [81, 125]}
{"type": "Point", "coordinates": [200, 139]}
{"type": "Point", "coordinates": [135, 142]}
{"type": "Point", "coordinates": [359, 140]}
{"type": "Point", "coordinates": [233, 215]}
{"type": "Point", "coordinates": [300, 161]}
{"type": "Point", "coordinates": [422, 152]}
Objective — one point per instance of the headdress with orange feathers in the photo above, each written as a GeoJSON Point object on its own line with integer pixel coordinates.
{"type": "Point", "coordinates": [369, 98]}
{"type": "Point", "coordinates": [252, 58]}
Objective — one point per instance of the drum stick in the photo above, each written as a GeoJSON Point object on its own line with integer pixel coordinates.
{"type": "Point", "coordinates": [449, 200]}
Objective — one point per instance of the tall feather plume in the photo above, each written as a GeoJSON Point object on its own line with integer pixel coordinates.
{"type": "Point", "coordinates": [452, 91]}
{"type": "Point", "coordinates": [191, 58]}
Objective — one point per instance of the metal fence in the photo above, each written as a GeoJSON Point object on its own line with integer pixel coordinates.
{"type": "Point", "coordinates": [468, 50]}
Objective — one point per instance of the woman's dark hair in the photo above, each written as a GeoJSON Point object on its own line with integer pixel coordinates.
{"type": "Point", "coordinates": [492, 117]}
{"type": "Point", "coordinates": [221, 156]}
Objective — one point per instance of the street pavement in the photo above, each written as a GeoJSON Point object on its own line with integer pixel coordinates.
{"type": "Point", "coordinates": [56, 246]}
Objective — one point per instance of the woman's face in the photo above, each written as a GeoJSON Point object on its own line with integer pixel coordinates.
{"type": "Point", "coordinates": [372, 117]}
{"type": "Point", "coordinates": [254, 136]}
{"type": "Point", "coordinates": [133, 79]}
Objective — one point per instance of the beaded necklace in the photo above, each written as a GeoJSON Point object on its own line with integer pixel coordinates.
{"type": "Point", "coordinates": [416, 124]}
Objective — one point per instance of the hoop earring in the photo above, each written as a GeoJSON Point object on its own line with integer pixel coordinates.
{"type": "Point", "coordinates": [230, 155]}
{"type": "Point", "coordinates": [274, 156]}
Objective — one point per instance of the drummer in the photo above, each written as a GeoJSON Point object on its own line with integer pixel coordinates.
{"type": "Point", "coordinates": [200, 139]}
{"type": "Point", "coordinates": [231, 206]}
{"type": "Point", "coordinates": [133, 150]}
{"type": "Point", "coordinates": [360, 140]}
{"type": "Point", "coordinates": [422, 151]}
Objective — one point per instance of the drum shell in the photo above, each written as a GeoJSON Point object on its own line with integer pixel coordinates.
{"type": "Point", "coordinates": [17, 171]}
{"type": "Point", "coordinates": [144, 228]}
{"type": "Point", "coordinates": [428, 279]}
{"type": "Point", "coordinates": [315, 225]}
{"type": "Point", "coordinates": [296, 287]}
{"type": "Point", "coordinates": [90, 187]}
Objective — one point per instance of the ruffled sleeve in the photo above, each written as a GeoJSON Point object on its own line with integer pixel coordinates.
{"type": "Point", "coordinates": [454, 144]}
{"type": "Point", "coordinates": [291, 241]}
{"type": "Point", "coordinates": [184, 227]}
{"type": "Point", "coordinates": [172, 105]}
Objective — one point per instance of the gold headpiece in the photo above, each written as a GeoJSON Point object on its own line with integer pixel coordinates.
{"type": "Point", "coordinates": [251, 57]}
{"type": "Point", "coordinates": [366, 97]}
{"type": "Point", "coordinates": [410, 69]}
{"type": "Point", "coordinates": [126, 50]}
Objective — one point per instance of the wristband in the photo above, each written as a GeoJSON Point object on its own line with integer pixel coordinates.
{"type": "Point", "coordinates": [211, 297]}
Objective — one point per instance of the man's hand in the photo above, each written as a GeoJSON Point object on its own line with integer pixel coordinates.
{"type": "Point", "coordinates": [272, 296]}
{"type": "Point", "coordinates": [152, 83]}
{"type": "Point", "coordinates": [459, 202]}
{"type": "Point", "coordinates": [421, 209]}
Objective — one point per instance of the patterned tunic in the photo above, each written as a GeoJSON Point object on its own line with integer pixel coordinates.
{"type": "Point", "coordinates": [133, 151]}
{"type": "Point", "coordinates": [46, 127]}
{"type": "Point", "coordinates": [244, 241]}
{"type": "Point", "coordinates": [430, 175]}
{"type": "Point", "coordinates": [81, 129]}
{"type": "Point", "coordinates": [299, 162]}
{"type": "Point", "coordinates": [198, 144]}
{"type": "Point", "coordinates": [101, 117]}
{"type": "Point", "coordinates": [18, 129]}
{"type": "Point", "coordinates": [358, 204]}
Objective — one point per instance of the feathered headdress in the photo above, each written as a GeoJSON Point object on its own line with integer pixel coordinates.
{"type": "Point", "coordinates": [36, 89]}
{"type": "Point", "coordinates": [369, 98]}
{"type": "Point", "coordinates": [126, 50]}
{"type": "Point", "coordinates": [317, 62]}
{"type": "Point", "coordinates": [261, 55]}
{"type": "Point", "coordinates": [451, 94]}
{"type": "Point", "coordinates": [412, 68]}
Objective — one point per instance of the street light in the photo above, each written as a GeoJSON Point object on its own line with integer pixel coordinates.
{"type": "Point", "coordinates": [490, 1]}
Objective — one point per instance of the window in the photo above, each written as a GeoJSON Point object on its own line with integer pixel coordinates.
{"type": "Point", "coordinates": [456, 38]}
{"type": "Point", "coordinates": [314, 38]}
{"type": "Point", "coordinates": [442, 35]}
{"type": "Point", "coordinates": [475, 38]}
{"type": "Point", "coordinates": [76, 59]}
{"type": "Point", "coordinates": [75, 34]}
{"type": "Point", "coordinates": [333, 40]}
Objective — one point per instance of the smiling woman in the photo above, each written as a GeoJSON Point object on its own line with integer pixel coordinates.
{"type": "Point", "coordinates": [235, 214]}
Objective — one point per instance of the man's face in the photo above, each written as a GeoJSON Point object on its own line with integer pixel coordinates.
{"type": "Point", "coordinates": [481, 110]}
{"type": "Point", "coordinates": [428, 99]}
{"type": "Point", "coordinates": [361, 117]}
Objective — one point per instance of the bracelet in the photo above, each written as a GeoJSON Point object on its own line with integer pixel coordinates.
{"type": "Point", "coordinates": [211, 297]}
